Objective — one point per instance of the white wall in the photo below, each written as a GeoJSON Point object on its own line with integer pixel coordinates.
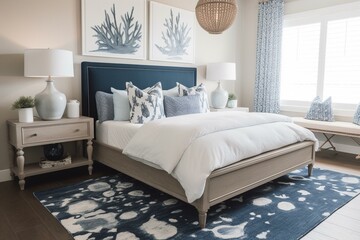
{"type": "Point", "coordinates": [57, 24]}
{"type": "Point", "coordinates": [247, 59]}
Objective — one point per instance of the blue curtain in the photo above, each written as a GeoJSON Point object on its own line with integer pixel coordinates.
{"type": "Point", "coordinates": [268, 56]}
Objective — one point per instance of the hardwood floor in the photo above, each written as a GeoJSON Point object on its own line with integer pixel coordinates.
{"type": "Point", "coordinates": [23, 217]}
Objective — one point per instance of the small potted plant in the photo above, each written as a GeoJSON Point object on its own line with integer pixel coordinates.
{"type": "Point", "coordinates": [25, 108]}
{"type": "Point", "coordinates": [232, 101]}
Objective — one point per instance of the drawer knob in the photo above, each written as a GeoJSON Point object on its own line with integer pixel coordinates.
{"type": "Point", "coordinates": [77, 130]}
{"type": "Point", "coordinates": [33, 135]}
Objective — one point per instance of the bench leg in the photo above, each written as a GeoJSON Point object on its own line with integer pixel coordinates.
{"type": "Point", "coordinates": [328, 140]}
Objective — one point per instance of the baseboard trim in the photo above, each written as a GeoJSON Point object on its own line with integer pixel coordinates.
{"type": "Point", "coordinates": [5, 175]}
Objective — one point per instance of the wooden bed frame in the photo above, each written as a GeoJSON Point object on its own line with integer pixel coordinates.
{"type": "Point", "coordinates": [223, 183]}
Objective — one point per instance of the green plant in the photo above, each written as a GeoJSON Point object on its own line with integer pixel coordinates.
{"type": "Point", "coordinates": [231, 97]}
{"type": "Point", "coordinates": [24, 102]}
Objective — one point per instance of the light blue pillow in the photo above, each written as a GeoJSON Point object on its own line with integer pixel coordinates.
{"type": "Point", "coordinates": [173, 92]}
{"type": "Point", "coordinates": [104, 106]}
{"type": "Point", "coordinates": [356, 119]}
{"type": "Point", "coordinates": [196, 90]}
{"type": "Point", "coordinates": [121, 105]}
{"type": "Point", "coordinates": [321, 111]}
{"type": "Point", "coordinates": [175, 106]}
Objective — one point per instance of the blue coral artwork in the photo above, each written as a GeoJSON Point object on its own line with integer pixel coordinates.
{"type": "Point", "coordinates": [171, 34]}
{"type": "Point", "coordinates": [114, 28]}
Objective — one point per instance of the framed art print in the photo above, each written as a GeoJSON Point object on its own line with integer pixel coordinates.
{"type": "Point", "coordinates": [172, 34]}
{"type": "Point", "coordinates": [114, 28]}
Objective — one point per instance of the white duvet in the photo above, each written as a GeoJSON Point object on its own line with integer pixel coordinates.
{"type": "Point", "coordinates": [190, 147]}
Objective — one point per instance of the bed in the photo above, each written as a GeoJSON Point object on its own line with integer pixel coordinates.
{"type": "Point", "coordinates": [223, 183]}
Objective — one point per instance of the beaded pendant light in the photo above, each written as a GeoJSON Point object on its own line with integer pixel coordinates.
{"type": "Point", "coordinates": [215, 16]}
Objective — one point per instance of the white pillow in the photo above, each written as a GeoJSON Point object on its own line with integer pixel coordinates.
{"type": "Point", "coordinates": [121, 105]}
{"type": "Point", "coordinates": [173, 92]}
{"type": "Point", "coordinates": [145, 106]}
{"type": "Point", "coordinates": [200, 89]}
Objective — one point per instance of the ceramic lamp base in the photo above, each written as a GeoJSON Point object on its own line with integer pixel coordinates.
{"type": "Point", "coordinates": [50, 103]}
{"type": "Point", "coordinates": [219, 97]}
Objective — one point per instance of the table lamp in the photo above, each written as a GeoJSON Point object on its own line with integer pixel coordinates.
{"type": "Point", "coordinates": [218, 72]}
{"type": "Point", "coordinates": [50, 103]}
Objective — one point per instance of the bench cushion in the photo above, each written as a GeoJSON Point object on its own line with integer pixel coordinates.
{"type": "Point", "coordinates": [338, 128]}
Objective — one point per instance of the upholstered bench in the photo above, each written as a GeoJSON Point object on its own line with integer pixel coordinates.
{"type": "Point", "coordinates": [330, 129]}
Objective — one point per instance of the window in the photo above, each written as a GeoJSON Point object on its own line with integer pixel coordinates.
{"type": "Point", "coordinates": [321, 57]}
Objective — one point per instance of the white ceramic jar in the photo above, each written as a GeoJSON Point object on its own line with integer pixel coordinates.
{"type": "Point", "coordinates": [73, 109]}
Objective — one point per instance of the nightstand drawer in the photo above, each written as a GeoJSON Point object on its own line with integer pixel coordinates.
{"type": "Point", "coordinates": [40, 134]}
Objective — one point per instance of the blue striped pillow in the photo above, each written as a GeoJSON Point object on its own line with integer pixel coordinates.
{"type": "Point", "coordinates": [321, 111]}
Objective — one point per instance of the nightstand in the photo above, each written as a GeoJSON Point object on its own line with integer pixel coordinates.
{"type": "Point", "coordinates": [38, 133]}
{"type": "Point", "coordinates": [241, 109]}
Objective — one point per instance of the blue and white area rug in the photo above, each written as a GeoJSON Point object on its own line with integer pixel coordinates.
{"type": "Point", "coordinates": [119, 207]}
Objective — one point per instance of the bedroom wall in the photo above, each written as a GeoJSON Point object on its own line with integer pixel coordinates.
{"type": "Point", "coordinates": [57, 24]}
{"type": "Point", "coordinates": [247, 53]}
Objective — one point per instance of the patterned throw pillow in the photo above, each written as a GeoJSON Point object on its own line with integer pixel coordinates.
{"type": "Point", "coordinates": [356, 119]}
{"type": "Point", "coordinates": [321, 111]}
{"type": "Point", "coordinates": [200, 89]}
{"type": "Point", "coordinates": [145, 106]}
{"type": "Point", "coordinates": [175, 106]}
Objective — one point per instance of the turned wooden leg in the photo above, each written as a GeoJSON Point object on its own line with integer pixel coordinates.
{"type": "Point", "coordinates": [202, 218]}
{"type": "Point", "coordinates": [89, 149]}
{"type": "Point", "coordinates": [310, 169]}
{"type": "Point", "coordinates": [20, 160]}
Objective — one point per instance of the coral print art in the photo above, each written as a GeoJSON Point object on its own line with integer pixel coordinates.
{"type": "Point", "coordinates": [113, 28]}
{"type": "Point", "coordinates": [172, 34]}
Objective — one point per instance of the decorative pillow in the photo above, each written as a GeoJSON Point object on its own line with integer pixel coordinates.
{"type": "Point", "coordinates": [321, 111]}
{"type": "Point", "coordinates": [104, 106]}
{"type": "Point", "coordinates": [173, 92]}
{"type": "Point", "coordinates": [200, 89]}
{"type": "Point", "coordinates": [356, 119]}
{"type": "Point", "coordinates": [145, 106]}
{"type": "Point", "coordinates": [121, 105]}
{"type": "Point", "coordinates": [175, 106]}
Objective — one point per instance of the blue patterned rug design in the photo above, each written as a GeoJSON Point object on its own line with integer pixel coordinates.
{"type": "Point", "coordinates": [119, 207]}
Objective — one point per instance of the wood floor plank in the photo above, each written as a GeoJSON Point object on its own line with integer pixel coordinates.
{"type": "Point", "coordinates": [337, 232]}
{"type": "Point", "coordinates": [349, 212]}
{"type": "Point", "coordinates": [5, 230]}
{"type": "Point", "coordinates": [345, 222]}
{"type": "Point", "coordinates": [315, 235]}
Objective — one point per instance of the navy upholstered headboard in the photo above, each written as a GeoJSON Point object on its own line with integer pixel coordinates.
{"type": "Point", "coordinates": [97, 76]}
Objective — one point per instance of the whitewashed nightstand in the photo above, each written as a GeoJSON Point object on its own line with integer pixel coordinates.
{"type": "Point", "coordinates": [240, 109]}
{"type": "Point", "coordinates": [38, 133]}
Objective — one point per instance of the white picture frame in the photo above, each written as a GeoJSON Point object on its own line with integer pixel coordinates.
{"type": "Point", "coordinates": [166, 22]}
{"type": "Point", "coordinates": [101, 38]}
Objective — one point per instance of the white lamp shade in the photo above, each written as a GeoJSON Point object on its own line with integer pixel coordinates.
{"type": "Point", "coordinates": [48, 62]}
{"type": "Point", "coordinates": [220, 71]}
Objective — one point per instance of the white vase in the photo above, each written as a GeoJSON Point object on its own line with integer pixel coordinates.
{"type": "Point", "coordinates": [26, 115]}
{"type": "Point", "coordinates": [219, 97]}
{"type": "Point", "coordinates": [50, 103]}
{"type": "Point", "coordinates": [232, 104]}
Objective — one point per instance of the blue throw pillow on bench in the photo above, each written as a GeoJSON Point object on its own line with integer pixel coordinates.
{"type": "Point", "coordinates": [321, 111]}
{"type": "Point", "coordinates": [356, 119]}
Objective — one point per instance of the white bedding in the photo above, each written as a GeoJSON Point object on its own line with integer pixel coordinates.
{"type": "Point", "coordinates": [190, 147]}
{"type": "Point", "coordinates": [116, 133]}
